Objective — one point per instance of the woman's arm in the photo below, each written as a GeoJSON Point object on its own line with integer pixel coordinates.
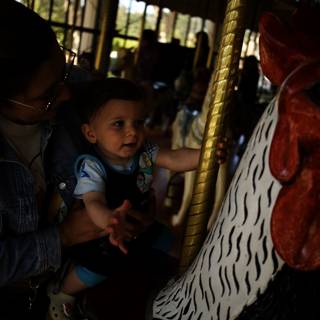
{"type": "Point", "coordinates": [28, 249]}
{"type": "Point", "coordinates": [30, 254]}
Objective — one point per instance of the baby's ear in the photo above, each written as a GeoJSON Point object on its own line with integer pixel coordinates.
{"type": "Point", "coordinates": [88, 133]}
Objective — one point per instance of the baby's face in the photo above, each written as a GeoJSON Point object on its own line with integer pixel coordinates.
{"type": "Point", "coordinates": [118, 129]}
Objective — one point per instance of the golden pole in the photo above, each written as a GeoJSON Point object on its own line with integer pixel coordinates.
{"type": "Point", "coordinates": [143, 23]}
{"type": "Point", "coordinates": [218, 98]}
{"type": "Point", "coordinates": [109, 10]}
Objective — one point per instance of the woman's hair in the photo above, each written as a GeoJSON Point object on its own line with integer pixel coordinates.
{"type": "Point", "coordinates": [26, 42]}
{"type": "Point", "coordinates": [91, 96]}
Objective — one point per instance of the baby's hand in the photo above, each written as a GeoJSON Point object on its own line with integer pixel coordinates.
{"type": "Point", "coordinates": [116, 229]}
{"type": "Point", "coordinates": [222, 150]}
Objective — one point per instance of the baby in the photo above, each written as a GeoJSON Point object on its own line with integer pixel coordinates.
{"type": "Point", "coordinates": [112, 180]}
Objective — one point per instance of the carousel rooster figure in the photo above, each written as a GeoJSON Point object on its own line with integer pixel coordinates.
{"type": "Point", "coordinates": [260, 259]}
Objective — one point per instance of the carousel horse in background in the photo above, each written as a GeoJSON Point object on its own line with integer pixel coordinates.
{"type": "Point", "coordinates": [123, 65]}
{"type": "Point", "coordinates": [261, 257]}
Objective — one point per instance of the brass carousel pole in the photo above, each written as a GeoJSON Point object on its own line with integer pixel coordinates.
{"type": "Point", "coordinates": [218, 99]}
{"type": "Point", "coordinates": [108, 21]}
{"type": "Point", "coordinates": [143, 23]}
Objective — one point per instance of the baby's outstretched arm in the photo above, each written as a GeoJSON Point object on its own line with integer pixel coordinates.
{"type": "Point", "coordinates": [186, 159]}
{"type": "Point", "coordinates": [110, 220]}
{"type": "Point", "coordinates": [178, 160]}
{"type": "Point", "coordinates": [98, 211]}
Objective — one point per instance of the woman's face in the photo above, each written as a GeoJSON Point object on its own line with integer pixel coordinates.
{"type": "Point", "coordinates": [45, 85]}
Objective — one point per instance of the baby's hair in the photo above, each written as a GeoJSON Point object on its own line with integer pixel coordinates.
{"type": "Point", "coordinates": [93, 95]}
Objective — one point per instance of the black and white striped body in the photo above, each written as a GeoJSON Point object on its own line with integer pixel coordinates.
{"type": "Point", "coordinates": [237, 260]}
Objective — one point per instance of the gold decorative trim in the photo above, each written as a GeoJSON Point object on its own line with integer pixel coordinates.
{"type": "Point", "coordinates": [217, 100]}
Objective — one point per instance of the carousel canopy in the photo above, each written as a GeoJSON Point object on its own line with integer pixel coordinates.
{"type": "Point", "coordinates": [214, 9]}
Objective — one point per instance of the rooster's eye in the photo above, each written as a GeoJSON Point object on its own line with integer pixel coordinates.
{"type": "Point", "coordinates": [314, 94]}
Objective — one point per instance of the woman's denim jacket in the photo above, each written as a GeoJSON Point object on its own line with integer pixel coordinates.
{"type": "Point", "coordinates": [29, 246]}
